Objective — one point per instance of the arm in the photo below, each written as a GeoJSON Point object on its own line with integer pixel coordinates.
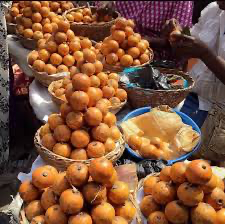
{"type": "Point", "coordinates": [157, 42]}
{"type": "Point", "coordinates": [216, 64]}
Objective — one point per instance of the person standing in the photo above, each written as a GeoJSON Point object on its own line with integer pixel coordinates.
{"type": "Point", "coordinates": [206, 104]}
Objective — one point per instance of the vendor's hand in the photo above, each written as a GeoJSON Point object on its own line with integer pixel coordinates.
{"type": "Point", "coordinates": [169, 27]}
{"type": "Point", "coordinates": [188, 47]}
{"type": "Point", "coordinates": [106, 7]}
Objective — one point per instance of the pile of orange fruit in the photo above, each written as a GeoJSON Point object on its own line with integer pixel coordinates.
{"type": "Point", "coordinates": [124, 47]}
{"type": "Point", "coordinates": [85, 15]}
{"type": "Point", "coordinates": [15, 11]}
{"type": "Point", "coordinates": [61, 51]}
{"type": "Point", "coordinates": [85, 128]}
{"type": "Point", "coordinates": [184, 193]}
{"type": "Point", "coordinates": [107, 85]}
{"type": "Point", "coordinates": [79, 195]}
{"type": "Point", "coordinates": [39, 19]}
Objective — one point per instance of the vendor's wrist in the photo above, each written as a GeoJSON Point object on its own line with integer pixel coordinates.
{"type": "Point", "coordinates": [206, 55]}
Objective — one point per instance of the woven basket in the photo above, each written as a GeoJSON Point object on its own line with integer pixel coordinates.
{"type": "Point", "coordinates": [140, 185]}
{"type": "Point", "coordinates": [61, 163]}
{"type": "Point", "coordinates": [114, 68]}
{"type": "Point", "coordinates": [30, 44]}
{"type": "Point", "coordinates": [113, 109]}
{"type": "Point", "coordinates": [11, 28]}
{"type": "Point", "coordinates": [23, 219]}
{"type": "Point", "coordinates": [46, 79]}
{"type": "Point", "coordinates": [94, 31]}
{"type": "Point", "coordinates": [139, 97]}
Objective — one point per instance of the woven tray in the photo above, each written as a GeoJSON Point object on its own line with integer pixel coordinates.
{"type": "Point", "coordinates": [61, 163]}
{"type": "Point", "coordinates": [113, 68]}
{"type": "Point", "coordinates": [23, 219]}
{"type": "Point", "coordinates": [113, 109]}
{"type": "Point", "coordinates": [11, 28]}
{"type": "Point", "coordinates": [94, 31]}
{"type": "Point", "coordinates": [140, 185]}
{"type": "Point", "coordinates": [139, 97]}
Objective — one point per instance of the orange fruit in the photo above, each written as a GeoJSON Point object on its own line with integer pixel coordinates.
{"type": "Point", "coordinates": [78, 17]}
{"type": "Point", "coordinates": [70, 35]}
{"type": "Point", "coordinates": [63, 26]}
{"type": "Point", "coordinates": [133, 41]}
{"type": "Point", "coordinates": [130, 23]}
{"type": "Point", "coordinates": [27, 12]}
{"type": "Point", "coordinates": [39, 65]}
{"type": "Point", "coordinates": [45, 21]}
{"type": "Point", "coordinates": [60, 37]}
{"type": "Point", "coordinates": [36, 17]}
{"type": "Point", "coordinates": [121, 23]}
{"type": "Point", "coordinates": [144, 58]}
{"type": "Point", "coordinates": [136, 62]}
{"type": "Point", "coordinates": [134, 52]}
{"type": "Point", "coordinates": [62, 68]}
{"type": "Point", "coordinates": [85, 43]}
{"type": "Point", "coordinates": [74, 46]}
{"type": "Point", "coordinates": [89, 55]}
{"type": "Point", "coordinates": [68, 60]}
{"type": "Point", "coordinates": [69, 17]}
{"type": "Point", "coordinates": [120, 53]}
{"type": "Point", "coordinates": [142, 47]}
{"type": "Point", "coordinates": [111, 58]}
{"type": "Point", "coordinates": [56, 59]}
{"type": "Point", "coordinates": [50, 69]}
{"type": "Point", "coordinates": [63, 49]}
{"type": "Point", "coordinates": [47, 28]}
{"type": "Point", "coordinates": [38, 35]}
{"type": "Point", "coordinates": [44, 55]}
{"type": "Point", "coordinates": [37, 27]}
{"type": "Point", "coordinates": [88, 69]}
{"type": "Point", "coordinates": [36, 6]}
{"type": "Point", "coordinates": [28, 33]}
{"type": "Point", "coordinates": [51, 46]}
{"type": "Point", "coordinates": [44, 11]}
{"type": "Point", "coordinates": [78, 55]}
{"type": "Point", "coordinates": [119, 36]}
{"type": "Point", "coordinates": [54, 27]}
{"type": "Point", "coordinates": [14, 11]}
{"type": "Point", "coordinates": [27, 22]}
{"type": "Point", "coordinates": [32, 56]}
{"type": "Point", "coordinates": [98, 66]}
{"type": "Point", "coordinates": [126, 60]}
{"type": "Point", "coordinates": [129, 31]}
{"type": "Point", "coordinates": [87, 19]}
{"type": "Point", "coordinates": [54, 6]}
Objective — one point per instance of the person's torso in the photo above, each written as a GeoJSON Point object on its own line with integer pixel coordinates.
{"type": "Point", "coordinates": [207, 86]}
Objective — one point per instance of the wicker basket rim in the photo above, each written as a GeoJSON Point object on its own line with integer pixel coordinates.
{"type": "Point", "coordinates": [50, 90]}
{"type": "Point", "coordinates": [185, 75]}
{"type": "Point", "coordinates": [88, 24]}
{"type": "Point", "coordinates": [37, 140]}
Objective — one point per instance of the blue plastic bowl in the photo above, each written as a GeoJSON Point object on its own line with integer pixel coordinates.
{"type": "Point", "coordinates": [187, 120]}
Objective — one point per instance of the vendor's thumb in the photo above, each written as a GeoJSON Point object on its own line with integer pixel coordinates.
{"type": "Point", "coordinates": [178, 36]}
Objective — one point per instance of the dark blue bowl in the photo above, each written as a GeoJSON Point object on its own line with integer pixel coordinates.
{"type": "Point", "coordinates": [187, 120]}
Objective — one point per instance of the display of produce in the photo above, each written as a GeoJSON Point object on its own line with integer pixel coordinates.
{"type": "Point", "coordinates": [112, 94]}
{"type": "Point", "coordinates": [159, 134]}
{"type": "Point", "coordinates": [87, 15]}
{"type": "Point", "coordinates": [183, 193]}
{"type": "Point", "coordinates": [124, 47]}
{"type": "Point", "coordinates": [85, 129]}
{"type": "Point", "coordinates": [81, 194]}
{"type": "Point", "coordinates": [39, 19]}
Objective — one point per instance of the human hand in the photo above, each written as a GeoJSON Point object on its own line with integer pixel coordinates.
{"type": "Point", "coordinates": [106, 7]}
{"type": "Point", "coordinates": [188, 46]}
{"type": "Point", "coordinates": [169, 27]}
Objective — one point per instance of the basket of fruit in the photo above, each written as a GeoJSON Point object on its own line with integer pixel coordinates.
{"type": "Point", "coordinates": [124, 48]}
{"type": "Point", "coordinates": [84, 129]}
{"type": "Point", "coordinates": [39, 20]}
{"type": "Point", "coordinates": [13, 15]}
{"type": "Point", "coordinates": [62, 53]}
{"type": "Point", "coordinates": [81, 194]}
{"type": "Point", "coordinates": [160, 133]}
{"type": "Point", "coordinates": [182, 193]}
{"type": "Point", "coordinates": [109, 92]}
{"type": "Point", "coordinates": [141, 97]}
{"type": "Point", "coordinates": [85, 22]}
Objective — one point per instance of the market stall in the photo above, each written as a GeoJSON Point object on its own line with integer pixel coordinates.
{"type": "Point", "coordinates": [85, 94]}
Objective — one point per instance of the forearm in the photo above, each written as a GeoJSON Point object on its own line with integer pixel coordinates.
{"type": "Point", "coordinates": [157, 42]}
{"type": "Point", "coordinates": [216, 64]}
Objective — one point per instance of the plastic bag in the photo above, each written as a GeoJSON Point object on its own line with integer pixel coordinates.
{"type": "Point", "coordinates": [148, 77]}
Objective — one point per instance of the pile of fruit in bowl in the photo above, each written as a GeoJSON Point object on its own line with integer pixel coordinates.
{"type": "Point", "coordinates": [81, 194]}
{"type": "Point", "coordinates": [105, 83]}
{"type": "Point", "coordinates": [124, 47]}
{"type": "Point", "coordinates": [183, 193]}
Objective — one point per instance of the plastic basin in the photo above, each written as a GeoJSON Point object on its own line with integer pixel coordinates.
{"type": "Point", "coordinates": [186, 120]}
